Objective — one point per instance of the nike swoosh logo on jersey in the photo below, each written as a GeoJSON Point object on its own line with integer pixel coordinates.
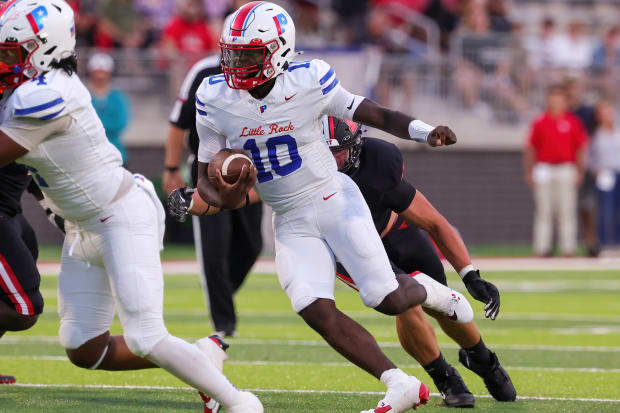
{"type": "Point", "coordinates": [351, 105]}
{"type": "Point", "coordinates": [290, 97]}
{"type": "Point", "coordinates": [105, 219]}
{"type": "Point", "coordinates": [325, 198]}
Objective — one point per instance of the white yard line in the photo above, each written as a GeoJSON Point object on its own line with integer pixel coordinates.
{"type": "Point", "coordinates": [103, 386]}
{"type": "Point", "coordinates": [267, 265]}
{"type": "Point", "coordinates": [17, 339]}
{"type": "Point", "coordinates": [341, 364]}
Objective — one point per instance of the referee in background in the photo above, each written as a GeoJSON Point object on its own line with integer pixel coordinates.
{"type": "Point", "coordinates": [218, 238]}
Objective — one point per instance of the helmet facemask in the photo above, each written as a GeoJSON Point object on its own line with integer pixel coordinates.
{"type": "Point", "coordinates": [246, 66]}
{"type": "Point", "coordinates": [15, 67]}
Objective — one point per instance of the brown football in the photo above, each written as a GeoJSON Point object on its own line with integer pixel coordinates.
{"type": "Point", "coordinates": [230, 161]}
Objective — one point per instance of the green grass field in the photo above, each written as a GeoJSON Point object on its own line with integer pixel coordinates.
{"type": "Point", "coordinates": [558, 335]}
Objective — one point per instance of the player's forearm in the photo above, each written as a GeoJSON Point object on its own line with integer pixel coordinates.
{"type": "Point", "coordinates": [451, 245]}
{"type": "Point", "coordinates": [174, 146]}
{"type": "Point", "coordinates": [200, 207]}
{"type": "Point", "coordinates": [423, 214]}
{"type": "Point", "coordinates": [391, 121]}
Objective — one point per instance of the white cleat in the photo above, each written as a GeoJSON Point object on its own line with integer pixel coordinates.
{"type": "Point", "coordinates": [445, 300]}
{"type": "Point", "coordinates": [402, 396]}
{"type": "Point", "coordinates": [246, 403]}
{"type": "Point", "coordinates": [215, 348]}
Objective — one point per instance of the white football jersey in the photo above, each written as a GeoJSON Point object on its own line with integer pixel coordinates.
{"type": "Point", "coordinates": [280, 133]}
{"type": "Point", "coordinates": [77, 168]}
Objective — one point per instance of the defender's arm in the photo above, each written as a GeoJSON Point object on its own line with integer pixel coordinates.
{"type": "Point", "coordinates": [422, 214]}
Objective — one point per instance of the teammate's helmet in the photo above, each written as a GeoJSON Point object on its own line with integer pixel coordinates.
{"type": "Point", "coordinates": [258, 42]}
{"type": "Point", "coordinates": [340, 134]}
{"type": "Point", "coordinates": [33, 34]}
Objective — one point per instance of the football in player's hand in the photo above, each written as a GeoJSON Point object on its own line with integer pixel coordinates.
{"type": "Point", "coordinates": [230, 162]}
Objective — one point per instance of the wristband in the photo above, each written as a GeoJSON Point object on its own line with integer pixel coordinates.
{"type": "Point", "coordinates": [206, 210]}
{"type": "Point", "coordinates": [172, 168]}
{"type": "Point", "coordinates": [418, 130]}
{"type": "Point", "coordinates": [466, 270]}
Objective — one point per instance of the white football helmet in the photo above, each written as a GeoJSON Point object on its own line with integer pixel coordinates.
{"type": "Point", "coordinates": [257, 43]}
{"type": "Point", "coordinates": [33, 34]}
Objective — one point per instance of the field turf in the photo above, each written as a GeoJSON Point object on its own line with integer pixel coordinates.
{"type": "Point", "coordinates": [558, 335]}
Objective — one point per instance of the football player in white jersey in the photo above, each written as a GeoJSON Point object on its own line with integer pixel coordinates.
{"type": "Point", "coordinates": [114, 221]}
{"type": "Point", "coordinates": [270, 106]}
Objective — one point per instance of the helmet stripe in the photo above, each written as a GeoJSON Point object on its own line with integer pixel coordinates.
{"type": "Point", "coordinates": [237, 27]}
{"type": "Point", "coordinates": [277, 22]}
{"type": "Point", "coordinates": [4, 9]}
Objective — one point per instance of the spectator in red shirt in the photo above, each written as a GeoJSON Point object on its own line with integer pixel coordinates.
{"type": "Point", "coordinates": [188, 32]}
{"type": "Point", "coordinates": [554, 163]}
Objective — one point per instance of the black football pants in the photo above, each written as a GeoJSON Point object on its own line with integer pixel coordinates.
{"type": "Point", "coordinates": [230, 242]}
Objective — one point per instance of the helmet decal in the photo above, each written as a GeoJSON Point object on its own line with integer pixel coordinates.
{"type": "Point", "coordinates": [243, 18]}
{"type": "Point", "coordinates": [36, 18]}
{"type": "Point", "coordinates": [280, 20]}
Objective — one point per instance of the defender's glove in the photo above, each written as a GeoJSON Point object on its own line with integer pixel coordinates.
{"type": "Point", "coordinates": [484, 291]}
{"type": "Point", "coordinates": [179, 202]}
{"type": "Point", "coordinates": [55, 220]}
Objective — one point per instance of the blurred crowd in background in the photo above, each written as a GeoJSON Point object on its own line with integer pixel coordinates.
{"type": "Point", "coordinates": [490, 60]}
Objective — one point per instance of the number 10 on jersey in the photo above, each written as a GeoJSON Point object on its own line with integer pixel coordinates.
{"type": "Point", "coordinates": [272, 146]}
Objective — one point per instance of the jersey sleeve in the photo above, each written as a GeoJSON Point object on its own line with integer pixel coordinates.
{"type": "Point", "coordinates": [29, 133]}
{"type": "Point", "coordinates": [332, 98]}
{"type": "Point", "coordinates": [388, 173]}
{"type": "Point", "coordinates": [399, 198]}
{"type": "Point", "coordinates": [41, 104]}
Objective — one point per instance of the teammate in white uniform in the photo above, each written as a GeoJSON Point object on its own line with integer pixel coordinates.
{"type": "Point", "coordinates": [114, 221]}
{"type": "Point", "coordinates": [270, 107]}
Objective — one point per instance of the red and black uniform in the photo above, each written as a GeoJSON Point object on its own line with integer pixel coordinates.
{"type": "Point", "coordinates": [380, 179]}
{"type": "Point", "coordinates": [19, 276]}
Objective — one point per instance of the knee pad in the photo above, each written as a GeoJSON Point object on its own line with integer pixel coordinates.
{"type": "Point", "coordinates": [142, 338]}
{"type": "Point", "coordinates": [71, 336]}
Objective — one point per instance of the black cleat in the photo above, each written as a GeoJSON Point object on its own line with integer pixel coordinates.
{"type": "Point", "coordinates": [7, 379]}
{"type": "Point", "coordinates": [495, 377]}
{"type": "Point", "coordinates": [453, 390]}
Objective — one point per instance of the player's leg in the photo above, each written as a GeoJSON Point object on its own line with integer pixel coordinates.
{"type": "Point", "coordinates": [86, 309]}
{"type": "Point", "coordinates": [216, 233]}
{"type": "Point", "coordinates": [305, 267]}
{"type": "Point", "coordinates": [411, 250]}
{"type": "Point", "coordinates": [246, 237]}
{"type": "Point", "coordinates": [348, 228]}
{"type": "Point", "coordinates": [20, 299]}
{"type": "Point", "coordinates": [129, 246]}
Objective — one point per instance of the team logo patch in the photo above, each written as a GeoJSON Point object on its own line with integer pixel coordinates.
{"type": "Point", "coordinates": [263, 108]}
{"type": "Point", "coordinates": [36, 17]}
{"type": "Point", "coordinates": [280, 20]}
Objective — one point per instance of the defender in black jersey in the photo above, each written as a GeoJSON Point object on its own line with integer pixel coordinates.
{"type": "Point", "coordinates": [224, 269]}
{"type": "Point", "coordinates": [400, 214]}
{"type": "Point", "coordinates": [20, 299]}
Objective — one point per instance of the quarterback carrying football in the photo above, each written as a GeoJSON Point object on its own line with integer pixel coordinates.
{"type": "Point", "coordinates": [270, 106]}
{"type": "Point", "coordinates": [114, 221]}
